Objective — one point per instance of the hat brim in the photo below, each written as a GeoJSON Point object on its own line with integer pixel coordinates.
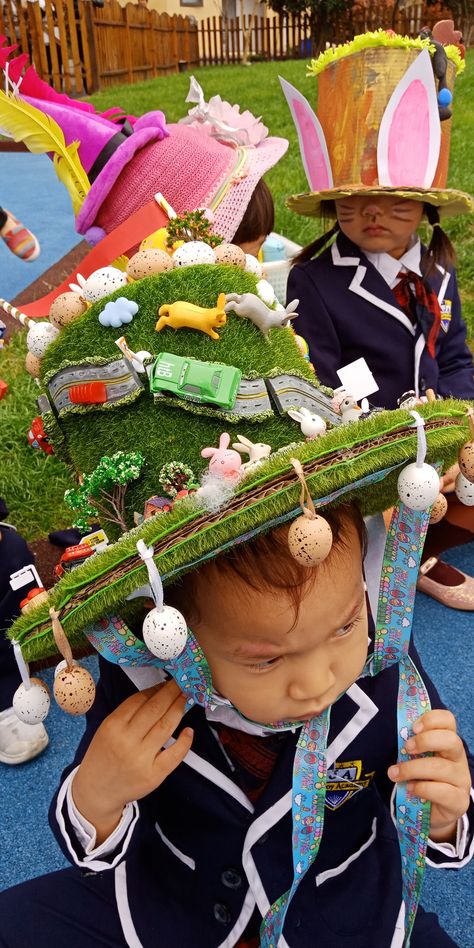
{"type": "Point", "coordinates": [449, 202]}
{"type": "Point", "coordinates": [343, 464]}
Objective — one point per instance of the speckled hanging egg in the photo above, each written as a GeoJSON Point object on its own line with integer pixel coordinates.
{"type": "Point", "coordinates": [103, 282]}
{"type": "Point", "coordinates": [33, 365]}
{"type": "Point", "coordinates": [230, 254]}
{"type": "Point", "coordinates": [165, 632]}
{"type": "Point", "coordinates": [74, 688]}
{"type": "Point", "coordinates": [310, 540]}
{"type": "Point", "coordinates": [464, 490]}
{"type": "Point", "coordinates": [147, 263]}
{"type": "Point", "coordinates": [466, 461]}
{"type": "Point", "coordinates": [39, 337]}
{"type": "Point", "coordinates": [66, 308]}
{"type": "Point", "coordinates": [418, 487]}
{"type": "Point", "coordinates": [193, 252]}
{"type": "Point", "coordinates": [438, 509]}
{"type": "Point", "coordinates": [31, 705]}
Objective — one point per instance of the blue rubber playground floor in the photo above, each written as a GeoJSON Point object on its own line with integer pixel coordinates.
{"type": "Point", "coordinates": [30, 190]}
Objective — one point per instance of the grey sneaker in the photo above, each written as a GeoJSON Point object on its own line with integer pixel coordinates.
{"type": "Point", "coordinates": [20, 742]}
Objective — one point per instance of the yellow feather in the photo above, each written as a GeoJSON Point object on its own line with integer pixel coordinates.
{"type": "Point", "coordinates": [40, 133]}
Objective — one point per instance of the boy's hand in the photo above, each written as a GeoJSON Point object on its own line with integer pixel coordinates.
{"type": "Point", "coordinates": [125, 760]}
{"type": "Point", "coordinates": [448, 480]}
{"type": "Point", "coordinates": [444, 778]}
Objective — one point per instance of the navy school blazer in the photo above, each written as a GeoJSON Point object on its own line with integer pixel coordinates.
{"type": "Point", "coordinates": [199, 861]}
{"type": "Point", "coordinates": [348, 311]}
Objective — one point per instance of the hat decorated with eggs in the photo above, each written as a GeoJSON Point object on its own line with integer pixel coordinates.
{"type": "Point", "coordinates": [185, 404]}
{"type": "Point", "coordinates": [113, 164]}
{"type": "Point", "coordinates": [383, 121]}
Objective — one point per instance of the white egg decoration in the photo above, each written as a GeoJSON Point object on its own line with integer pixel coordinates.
{"type": "Point", "coordinates": [464, 490]}
{"type": "Point", "coordinates": [418, 486]}
{"type": "Point", "coordinates": [103, 282]}
{"type": "Point", "coordinates": [74, 688]}
{"type": "Point", "coordinates": [266, 292]}
{"type": "Point", "coordinates": [192, 253]}
{"type": "Point", "coordinates": [310, 540]}
{"type": "Point", "coordinates": [165, 632]}
{"type": "Point", "coordinates": [252, 265]}
{"type": "Point", "coordinates": [31, 705]}
{"type": "Point", "coordinates": [39, 337]}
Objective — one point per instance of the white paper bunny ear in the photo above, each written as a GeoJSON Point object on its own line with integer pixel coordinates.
{"type": "Point", "coordinates": [410, 132]}
{"type": "Point", "coordinates": [313, 147]}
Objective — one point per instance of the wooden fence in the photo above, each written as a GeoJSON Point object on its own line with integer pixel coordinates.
{"type": "Point", "coordinates": [79, 47]}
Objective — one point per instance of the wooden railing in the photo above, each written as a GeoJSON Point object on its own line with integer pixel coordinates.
{"type": "Point", "coordinates": [79, 47]}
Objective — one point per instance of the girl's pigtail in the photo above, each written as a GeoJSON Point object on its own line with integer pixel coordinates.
{"type": "Point", "coordinates": [440, 251]}
{"type": "Point", "coordinates": [317, 246]}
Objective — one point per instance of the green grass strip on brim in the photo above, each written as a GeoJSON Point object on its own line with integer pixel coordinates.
{"type": "Point", "coordinates": [443, 445]}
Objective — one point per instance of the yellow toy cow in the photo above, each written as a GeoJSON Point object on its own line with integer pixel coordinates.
{"type": "Point", "coordinates": [181, 315]}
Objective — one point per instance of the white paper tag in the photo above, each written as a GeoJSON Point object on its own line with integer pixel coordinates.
{"type": "Point", "coordinates": [25, 576]}
{"type": "Point", "coordinates": [357, 379]}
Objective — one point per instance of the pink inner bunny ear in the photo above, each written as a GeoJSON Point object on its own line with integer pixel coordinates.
{"type": "Point", "coordinates": [224, 441]}
{"type": "Point", "coordinates": [313, 147]}
{"type": "Point", "coordinates": [410, 132]}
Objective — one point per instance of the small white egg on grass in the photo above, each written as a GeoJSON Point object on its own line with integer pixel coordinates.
{"type": "Point", "coordinates": [192, 253]}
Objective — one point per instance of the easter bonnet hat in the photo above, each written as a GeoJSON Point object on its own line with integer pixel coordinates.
{"type": "Point", "coordinates": [201, 428]}
{"type": "Point", "coordinates": [113, 164]}
{"type": "Point", "coordinates": [383, 121]}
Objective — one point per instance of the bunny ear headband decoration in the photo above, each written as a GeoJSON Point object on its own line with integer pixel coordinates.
{"type": "Point", "coordinates": [394, 142]}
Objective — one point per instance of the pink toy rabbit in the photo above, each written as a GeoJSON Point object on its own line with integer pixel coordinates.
{"type": "Point", "coordinates": [223, 463]}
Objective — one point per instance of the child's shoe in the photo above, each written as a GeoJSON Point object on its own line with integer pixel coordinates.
{"type": "Point", "coordinates": [448, 585]}
{"type": "Point", "coordinates": [20, 742]}
{"type": "Point", "coordinates": [19, 239]}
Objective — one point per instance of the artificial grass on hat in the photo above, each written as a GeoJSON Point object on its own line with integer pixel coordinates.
{"type": "Point", "coordinates": [171, 429]}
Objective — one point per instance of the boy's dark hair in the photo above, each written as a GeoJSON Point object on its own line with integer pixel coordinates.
{"type": "Point", "coordinates": [259, 218]}
{"type": "Point", "coordinates": [440, 251]}
{"type": "Point", "coordinates": [267, 564]}
{"type": "Point", "coordinates": [317, 246]}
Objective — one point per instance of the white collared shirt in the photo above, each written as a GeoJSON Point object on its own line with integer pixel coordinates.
{"type": "Point", "coordinates": [389, 267]}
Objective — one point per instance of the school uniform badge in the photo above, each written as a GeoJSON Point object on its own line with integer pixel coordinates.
{"type": "Point", "coordinates": [344, 780]}
{"type": "Point", "coordinates": [446, 314]}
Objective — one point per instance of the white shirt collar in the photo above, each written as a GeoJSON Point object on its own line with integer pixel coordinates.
{"type": "Point", "coordinates": [389, 267]}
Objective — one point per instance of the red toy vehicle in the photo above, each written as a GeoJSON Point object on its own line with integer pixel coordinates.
{"type": "Point", "coordinates": [37, 436]}
{"type": "Point", "coordinates": [72, 557]}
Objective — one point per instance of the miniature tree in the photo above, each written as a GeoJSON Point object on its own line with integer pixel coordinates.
{"type": "Point", "coordinates": [102, 492]}
{"type": "Point", "coordinates": [193, 225]}
{"type": "Point", "coordinates": [175, 476]}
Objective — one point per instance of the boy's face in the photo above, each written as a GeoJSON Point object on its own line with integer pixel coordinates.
{"type": "Point", "coordinates": [379, 224]}
{"type": "Point", "coordinates": [275, 669]}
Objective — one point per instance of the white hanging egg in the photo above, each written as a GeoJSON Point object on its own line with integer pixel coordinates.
{"type": "Point", "coordinates": [266, 292]}
{"type": "Point", "coordinates": [418, 487]}
{"type": "Point", "coordinates": [165, 632]}
{"type": "Point", "coordinates": [252, 265]}
{"type": "Point", "coordinates": [74, 688]}
{"type": "Point", "coordinates": [31, 705]}
{"type": "Point", "coordinates": [464, 490]}
{"type": "Point", "coordinates": [103, 282]}
{"type": "Point", "coordinates": [39, 337]}
{"type": "Point", "coordinates": [438, 509]}
{"type": "Point", "coordinates": [192, 253]}
{"type": "Point", "coordinates": [466, 460]}
{"type": "Point", "coordinates": [310, 540]}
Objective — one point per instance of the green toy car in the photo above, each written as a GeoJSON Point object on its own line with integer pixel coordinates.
{"type": "Point", "coordinates": [208, 383]}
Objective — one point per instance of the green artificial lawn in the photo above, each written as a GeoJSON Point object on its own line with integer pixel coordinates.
{"type": "Point", "coordinates": [35, 483]}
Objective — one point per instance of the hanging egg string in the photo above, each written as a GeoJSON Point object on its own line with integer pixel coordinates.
{"type": "Point", "coordinates": [310, 536]}
{"type": "Point", "coordinates": [74, 687]}
{"type": "Point", "coordinates": [164, 628]}
{"type": "Point", "coordinates": [418, 483]}
{"type": "Point", "coordinates": [31, 701]}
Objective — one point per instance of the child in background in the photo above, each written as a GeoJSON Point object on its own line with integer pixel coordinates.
{"type": "Point", "coordinates": [368, 287]}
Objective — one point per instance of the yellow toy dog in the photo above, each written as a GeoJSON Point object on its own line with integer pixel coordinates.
{"type": "Point", "coordinates": [181, 315]}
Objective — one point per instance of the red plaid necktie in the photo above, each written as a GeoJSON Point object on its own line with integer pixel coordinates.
{"type": "Point", "coordinates": [421, 304]}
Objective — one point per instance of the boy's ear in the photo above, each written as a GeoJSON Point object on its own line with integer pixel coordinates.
{"type": "Point", "coordinates": [410, 131]}
{"type": "Point", "coordinates": [313, 147]}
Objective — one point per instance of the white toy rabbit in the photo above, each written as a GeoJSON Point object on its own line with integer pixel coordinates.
{"type": "Point", "coordinates": [312, 425]}
{"type": "Point", "coordinates": [256, 452]}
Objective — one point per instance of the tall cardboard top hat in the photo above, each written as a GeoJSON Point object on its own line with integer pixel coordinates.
{"type": "Point", "coordinates": [113, 164]}
{"type": "Point", "coordinates": [383, 123]}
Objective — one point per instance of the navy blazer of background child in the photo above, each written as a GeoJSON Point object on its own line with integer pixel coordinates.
{"type": "Point", "coordinates": [198, 858]}
{"type": "Point", "coordinates": [347, 310]}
